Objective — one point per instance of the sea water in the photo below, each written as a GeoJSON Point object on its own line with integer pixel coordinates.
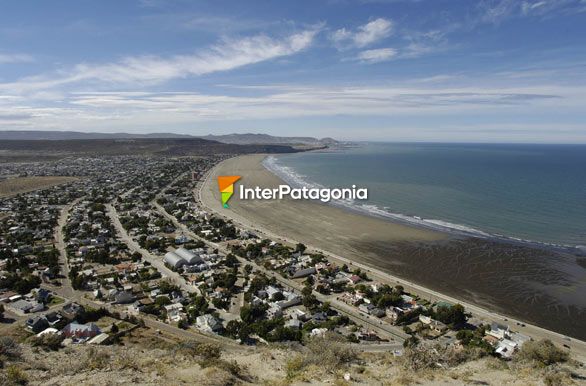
{"type": "Point", "coordinates": [534, 193]}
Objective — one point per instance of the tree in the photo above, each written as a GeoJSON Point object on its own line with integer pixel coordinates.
{"type": "Point", "coordinates": [300, 248]}
{"type": "Point", "coordinates": [231, 260]}
{"type": "Point", "coordinates": [249, 314]}
{"type": "Point", "coordinates": [162, 301]}
{"type": "Point", "coordinates": [114, 329]}
{"type": "Point", "coordinates": [453, 315]}
{"type": "Point", "coordinates": [233, 328]}
{"type": "Point", "coordinates": [277, 296]}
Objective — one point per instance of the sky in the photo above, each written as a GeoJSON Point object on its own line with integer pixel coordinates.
{"type": "Point", "coordinates": [380, 70]}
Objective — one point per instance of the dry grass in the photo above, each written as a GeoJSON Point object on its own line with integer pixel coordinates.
{"type": "Point", "coordinates": [19, 185]}
{"type": "Point", "coordinates": [320, 356]}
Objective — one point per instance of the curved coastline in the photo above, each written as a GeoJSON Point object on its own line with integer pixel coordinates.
{"type": "Point", "coordinates": [515, 280]}
{"type": "Point", "coordinates": [292, 178]}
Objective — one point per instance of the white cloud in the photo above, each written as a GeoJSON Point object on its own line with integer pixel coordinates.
{"type": "Point", "coordinates": [15, 58]}
{"type": "Point", "coordinates": [103, 110]}
{"type": "Point", "coordinates": [496, 11]}
{"type": "Point", "coordinates": [378, 55]}
{"type": "Point", "coordinates": [364, 35]}
{"type": "Point", "coordinates": [140, 70]}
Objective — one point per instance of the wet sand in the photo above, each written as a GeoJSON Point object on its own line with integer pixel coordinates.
{"type": "Point", "coordinates": [535, 285]}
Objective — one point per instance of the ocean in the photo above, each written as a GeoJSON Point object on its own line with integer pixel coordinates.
{"type": "Point", "coordinates": [533, 193]}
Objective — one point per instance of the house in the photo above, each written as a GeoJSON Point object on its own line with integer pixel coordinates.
{"type": "Point", "coordinates": [293, 323]}
{"type": "Point", "coordinates": [506, 348]}
{"type": "Point", "coordinates": [519, 338]}
{"type": "Point", "coordinates": [53, 318]}
{"type": "Point", "coordinates": [22, 307]}
{"type": "Point", "coordinates": [175, 312]}
{"type": "Point", "coordinates": [366, 308]}
{"type": "Point", "coordinates": [49, 330]}
{"type": "Point", "coordinates": [43, 296]}
{"type": "Point", "coordinates": [123, 297]}
{"type": "Point", "coordinates": [80, 332]}
{"type": "Point", "coordinates": [37, 324]}
{"type": "Point", "coordinates": [72, 311]}
{"type": "Point", "coordinates": [99, 339]}
{"type": "Point", "coordinates": [208, 323]}
{"type": "Point", "coordinates": [274, 312]}
{"type": "Point", "coordinates": [393, 313]}
{"type": "Point", "coordinates": [319, 317]}
{"type": "Point", "coordinates": [438, 326]}
{"type": "Point", "coordinates": [304, 273]}
{"type": "Point", "coordinates": [497, 330]}
{"type": "Point", "coordinates": [318, 332]}
{"type": "Point", "coordinates": [290, 300]}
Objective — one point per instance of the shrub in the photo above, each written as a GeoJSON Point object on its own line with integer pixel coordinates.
{"type": "Point", "coordinates": [329, 353]}
{"type": "Point", "coordinates": [9, 349]}
{"type": "Point", "coordinates": [48, 342]}
{"type": "Point", "coordinates": [542, 352]}
{"type": "Point", "coordinates": [16, 376]}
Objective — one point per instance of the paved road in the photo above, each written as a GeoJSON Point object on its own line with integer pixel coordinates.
{"type": "Point", "coordinates": [67, 292]}
{"type": "Point", "coordinates": [155, 261]}
{"type": "Point", "coordinates": [577, 347]}
{"type": "Point", "coordinates": [373, 323]}
{"type": "Point", "coordinates": [66, 288]}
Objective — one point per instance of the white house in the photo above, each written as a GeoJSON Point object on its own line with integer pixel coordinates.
{"type": "Point", "coordinates": [208, 323]}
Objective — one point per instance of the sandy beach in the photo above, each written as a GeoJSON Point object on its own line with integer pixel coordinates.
{"type": "Point", "coordinates": [530, 284]}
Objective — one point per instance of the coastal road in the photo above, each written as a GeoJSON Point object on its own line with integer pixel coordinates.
{"type": "Point", "coordinates": [357, 316]}
{"type": "Point", "coordinates": [577, 347]}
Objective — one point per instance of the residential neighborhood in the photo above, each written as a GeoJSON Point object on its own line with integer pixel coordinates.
{"type": "Point", "coordinates": [128, 245]}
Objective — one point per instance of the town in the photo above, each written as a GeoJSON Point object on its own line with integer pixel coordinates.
{"type": "Point", "coordinates": [127, 245]}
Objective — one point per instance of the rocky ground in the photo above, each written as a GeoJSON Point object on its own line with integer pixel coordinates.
{"type": "Point", "coordinates": [146, 359]}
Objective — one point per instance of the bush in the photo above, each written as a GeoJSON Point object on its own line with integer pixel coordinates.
{"type": "Point", "coordinates": [9, 349]}
{"type": "Point", "coordinates": [424, 357]}
{"type": "Point", "coordinates": [542, 352]}
{"type": "Point", "coordinates": [16, 376]}
{"type": "Point", "coordinates": [49, 342]}
{"type": "Point", "coordinates": [329, 353]}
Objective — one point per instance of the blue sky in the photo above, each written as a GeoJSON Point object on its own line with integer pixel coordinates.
{"type": "Point", "coordinates": [394, 70]}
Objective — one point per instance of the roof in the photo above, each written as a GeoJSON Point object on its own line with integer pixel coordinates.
{"type": "Point", "coordinates": [89, 329]}
{"type": "Point", "coordinates": [99, 339]}
{"type": "Point", "coordinates": [304, 272]}
{"type": "Point", "coordinates": [173, 259]}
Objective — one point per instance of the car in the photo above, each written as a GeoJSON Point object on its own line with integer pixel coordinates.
{"type": "Point", "coordinates": [566, 346]}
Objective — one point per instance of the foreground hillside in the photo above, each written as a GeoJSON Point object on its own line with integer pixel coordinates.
{"type": "Point", "coordinates": [147, 358]}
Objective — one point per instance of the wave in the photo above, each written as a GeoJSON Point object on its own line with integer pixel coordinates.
{"type": "Point", "coordinates": [295, 179]}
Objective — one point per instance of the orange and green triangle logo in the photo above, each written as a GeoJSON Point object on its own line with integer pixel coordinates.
{"type": "Point", "coordinates": [226, 184]}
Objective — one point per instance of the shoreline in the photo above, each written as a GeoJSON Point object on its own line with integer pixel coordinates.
{"type": "Point", "coordinates": [271, 163]}
{"type": "Point", "coordinates": [302, 222]}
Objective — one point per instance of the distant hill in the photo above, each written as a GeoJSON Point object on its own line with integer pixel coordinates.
{"type": "Point", "coordinates": [38, 135]}
{"type": "Point", "coordinates": [250, 138]}
{"type": "Point", "coordinates": [235, 139]}
{"type": "Point", "coordinates": [27, 150]}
